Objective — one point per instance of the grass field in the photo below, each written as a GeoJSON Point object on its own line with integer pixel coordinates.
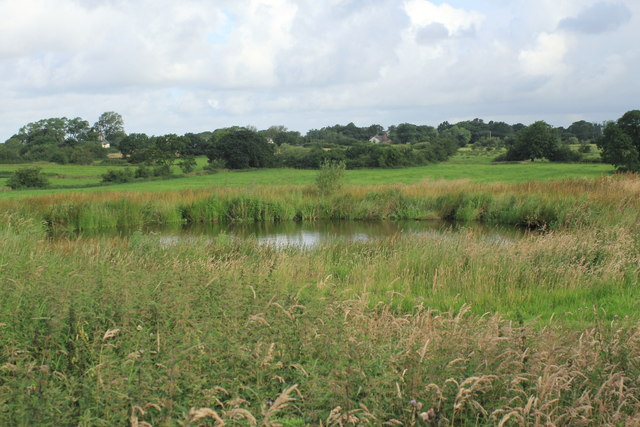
{"type": "Point", "coordinates": [71, 178]}
{"type": "Point", "coordinates": [449, 328]}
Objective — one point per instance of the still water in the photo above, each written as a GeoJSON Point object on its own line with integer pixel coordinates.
{"type": "Point", "coordinates": [313, 234]}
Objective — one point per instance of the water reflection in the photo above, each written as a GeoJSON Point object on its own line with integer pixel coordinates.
{"type": "Point", "coordinates": [312, 234]}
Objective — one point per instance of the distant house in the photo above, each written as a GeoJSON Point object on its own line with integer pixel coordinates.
{"type": "Point", "coordinates": [380, 139]}
{"type": "Point", "coordinates": [103, 141]}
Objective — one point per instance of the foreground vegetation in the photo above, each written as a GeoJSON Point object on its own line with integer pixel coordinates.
{"type": "Point", "coordinates": [353, 332]}
{"type": "Point", "coordinates": [446, 328]}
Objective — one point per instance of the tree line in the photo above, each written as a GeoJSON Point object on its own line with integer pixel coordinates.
{"type": "Point", "coordinates": [63, 140]}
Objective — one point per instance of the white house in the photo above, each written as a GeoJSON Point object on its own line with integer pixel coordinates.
{"type": "Point", "coordinates": [380, 139]}
{"type": "Point", "coordinates": [103, 141]}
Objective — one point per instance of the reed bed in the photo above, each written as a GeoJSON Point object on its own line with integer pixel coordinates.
{"type": "Point", "coordinates": [445, 329]}
{"type": "Point", "coordinates": [541, 205]}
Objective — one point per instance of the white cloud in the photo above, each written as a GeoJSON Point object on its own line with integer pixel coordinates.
{"type": "Point", "coordinates": [457, 21]}
{"type": "Point", "coordinates": [546, 57]}
{"type": "Point", "coordinates": [201, 64]}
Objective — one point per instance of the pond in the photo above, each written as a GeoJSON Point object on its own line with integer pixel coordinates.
{"type": "Point", "coordinates": [312, 234]}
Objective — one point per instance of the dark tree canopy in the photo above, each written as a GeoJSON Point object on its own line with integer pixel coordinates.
{"type": "Point", "coordinates": [57, 139]}
{"type": "Point", "coordinates": [408, 133]}
{"type": "Point", "coordinates": [281, 135]}
{"type": "Point", "coordinates": [242, 149]}
{"type": "Point", "coordinates": [477, 127]}
{"type": "Point", "coordinates": [585, 131]}
{"type": "Point", "coordinates": [620, 142]}
{"type": "Point", "coordinates": [196, 144]}
{"type": "Point", "coordinates": [536, 141]}
{"type": "Point", "coordinates": [166, 149]}
{"type": "Point", "coordinates": [630, 124]}
{"type": "Point", "coordinates": [133, 143]}
{"type": "Point", "coordinates": [65, 140]}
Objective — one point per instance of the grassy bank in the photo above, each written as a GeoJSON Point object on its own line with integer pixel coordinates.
{"type": "Point", "coordinates": [108, 331]}
{"type": "Point", "coordinates": [540, 205]}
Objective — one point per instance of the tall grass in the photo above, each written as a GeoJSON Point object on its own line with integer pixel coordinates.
{"type": "Point", "coordinates": [543, 205]}
{"type": "Point", "coordinates": [434, 328]}
{"type": "Point", "coordinates": [110, 330]}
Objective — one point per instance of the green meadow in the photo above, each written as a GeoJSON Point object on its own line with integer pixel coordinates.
{"type": "Point", "coordinates": [450, 327]}
{"type": "Point", "coordinates": [86, 179]}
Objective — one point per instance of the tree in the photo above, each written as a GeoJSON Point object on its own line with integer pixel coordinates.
{"type": "Point", "coordinates": [10, 151]}
{"type": "Point", "coordinates": [444, 126]}
{"type": "Point", "coordinates": [78, 130]}
{"type": "Point", "coordinates": [111, 126]}
{"type": "Point", "coordinates": [241, 149]}
{"type": "Point", "coordinates": [196, 144]}
{"type": "Point", "coordinates": [500, 129]}
{"type": "Point", "coordinates": [584, 130]}
{"type": "Point", "coordinates": [408, 133]}
{"type": "Point", "coordinates": [460, 134]}
{"type": "Point", "coordinates": [44, 132]}
{"type": "Point", "coordinates": [133, 143]}
{"type": "Point", "coordinates": [618, 147]}
{"type": "Point", "coordinates": [536, 141]}
{"type": "Point", "coordinates": [86, 152]}
{"type": "Point", "coordinates": [630, 124]}
{"type": "Point", "coordinates": [281, 135]}
{"type": "Point", "coordinates": [164, 150]}
{"type": "Point", "coordinates": [477, 127]}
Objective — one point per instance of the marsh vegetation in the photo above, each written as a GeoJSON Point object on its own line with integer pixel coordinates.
{"type": "Point", "coordinates": [444, 327]}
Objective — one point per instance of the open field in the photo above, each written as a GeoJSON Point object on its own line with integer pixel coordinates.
{"type": "Point", "coordinates": [72, 178]}
{"type": "Point", "coordinates": [447, 328]}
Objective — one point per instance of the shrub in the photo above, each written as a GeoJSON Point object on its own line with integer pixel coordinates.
{"type": "Point", "coordinates": [28, 178]}
{"type": "Point", "coordinates": [118, 176]}
{"type": "Point", "coordinates": [143, 172]}
{"type": "Point", "coordinates": [59, 157]}
{"type": "Point", "coordinates": [330, 177]}
{"type": "Point", "coordinates": [162, 170]}
{"type": "Point", "coordinates": [565, 154]}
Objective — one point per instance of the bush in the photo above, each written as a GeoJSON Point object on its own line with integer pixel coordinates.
{"type": "Point", "coordinates": [28, 178]}
{"type": "Point", "coordinates": [565, 154]}
{"type": "Point", "coordinates": [59, 157]}
{"type": "Point", "coordinates": [143, 172]}
{"type": "Point", "coordinates": [118, 176]}
{"type": "Point", "coordinates": [162, 170]}
{"type": "Point", "coordinates": [330, 177]}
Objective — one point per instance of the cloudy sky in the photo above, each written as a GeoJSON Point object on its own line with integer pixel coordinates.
{"type": "Point", "coordinates": [195, 65]}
